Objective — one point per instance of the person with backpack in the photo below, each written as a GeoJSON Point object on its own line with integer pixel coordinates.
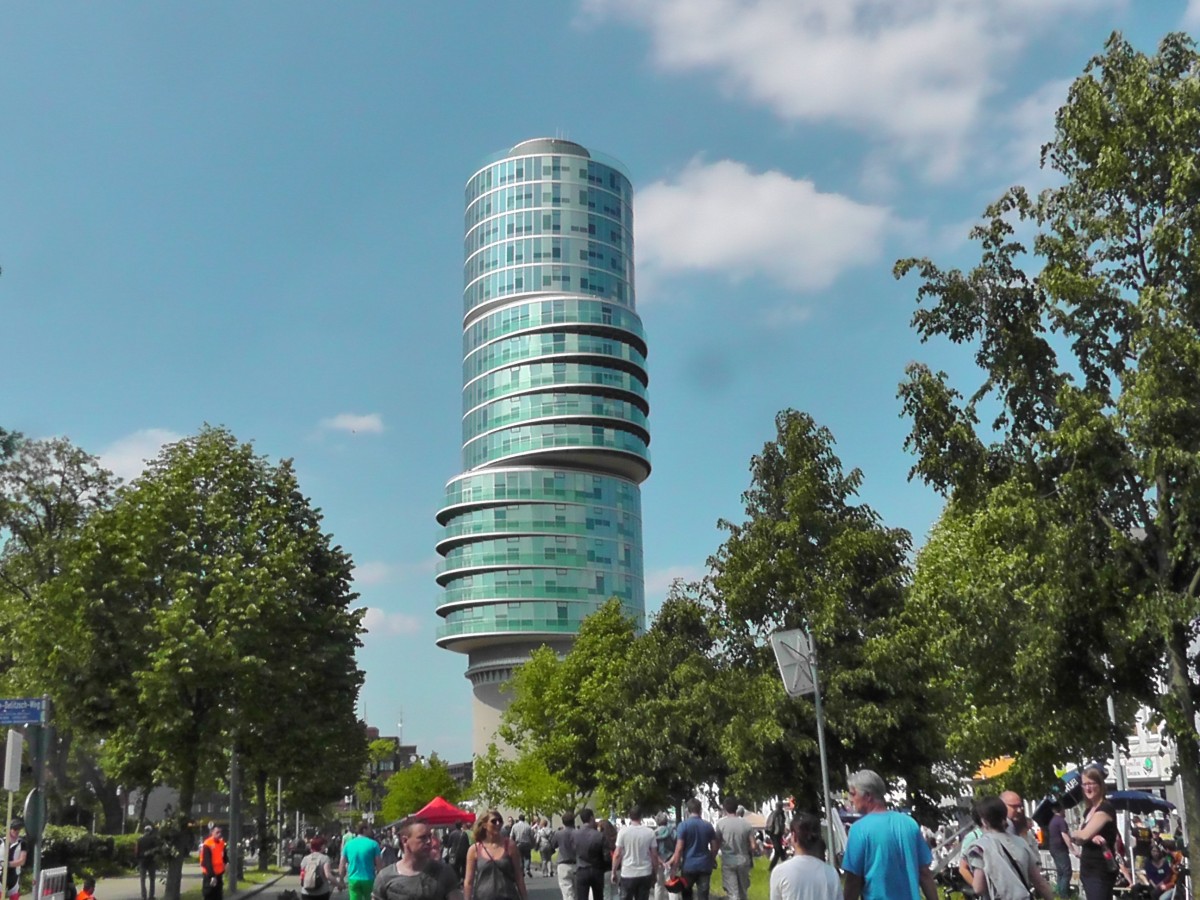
{"type": "Point", "coordinates": [545, 847]}
{"type": "Point", "coordinates": [664, 844]}
{"type": "Point", "coordinates": [1003, 865]}
{"type": "Point", "coordinates": [522, 835]}
{"type": "Point", "coordinates": [316, 871]}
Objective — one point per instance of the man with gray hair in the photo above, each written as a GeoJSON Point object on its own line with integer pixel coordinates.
{"type": "Point", "coordinates": [886, 857]}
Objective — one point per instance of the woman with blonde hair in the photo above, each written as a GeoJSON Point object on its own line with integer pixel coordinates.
{"type": "Point", "coordinates": [1097, 839]}
{"type": "Point", "coordinates": [495, 870]}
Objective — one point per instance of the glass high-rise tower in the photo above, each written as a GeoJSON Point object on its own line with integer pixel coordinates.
{"type": "Point", "coordinates": [544, 524]}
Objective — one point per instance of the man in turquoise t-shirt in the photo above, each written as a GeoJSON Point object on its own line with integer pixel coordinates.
{"type": "Point", "coordinates": [886, 856]}
{"type": "Point", "coordinates": [361, 860]}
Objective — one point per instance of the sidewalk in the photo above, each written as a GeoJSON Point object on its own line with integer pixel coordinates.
{"type": "Point", "coordinates": [129, 887]}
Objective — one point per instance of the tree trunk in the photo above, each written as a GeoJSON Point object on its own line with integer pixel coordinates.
{"type": "Point", "coordinates": [1187, 748]}
{"type": "Point", "coordinates": [265, 842]}
{"type": "Point", "coordinates": [114, 810]}
{"type": "Point", "coordinates": [143, 802]}
{"type": "Point", "coordinates": [184, 839]}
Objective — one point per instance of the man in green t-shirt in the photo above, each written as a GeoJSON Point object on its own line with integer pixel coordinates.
{"type": "Point", "coordinates": [361, 860]}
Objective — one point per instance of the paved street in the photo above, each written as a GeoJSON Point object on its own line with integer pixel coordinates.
{"type": "Point", "coordinates": [129, 888]}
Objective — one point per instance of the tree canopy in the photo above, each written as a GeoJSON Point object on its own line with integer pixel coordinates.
{"type": "Point", "coordinates": [187, 613]}
{"type": "Point", "coordinates": [1071, 468]}
{"type": "Point", "coordinates": [412, 787]}
{"type": "Point", "coordinates": [697, 700]}
{"type": "Point", "coordinates": [808, 555]}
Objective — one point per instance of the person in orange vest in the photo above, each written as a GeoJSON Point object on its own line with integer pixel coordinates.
{"type": "Point", "coordinates": [89, 890]}
{"type": "Point", "coordinates": [213, 858]}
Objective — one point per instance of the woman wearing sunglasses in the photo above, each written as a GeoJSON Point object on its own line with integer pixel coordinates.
{"type": "Point", "coordinates": [494, 867]}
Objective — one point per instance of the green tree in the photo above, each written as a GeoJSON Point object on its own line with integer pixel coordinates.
{"type": "Point", "coordinates": [372, 779]}
{"type": "Point", "coordinates": [622, 717]}
{"type": "Point", "coordinates": [48, 489]}
{"type": "Point", "coordinates": [521, 782]}
{"type": "Point", "coordinates": [8, 442]}
{"type": "Point", "coordinates": [412, 787]}
{"type": "Point", "coordinates": [1074, 514]}
{"type": "Point", "coordinates": [675, 704]}
{"type": "Point", "coordinates": [808, 556]}
{"type": "Point", "coordinates": [562, 708]}
{"type": "Point", "coordinates": [157, 634]}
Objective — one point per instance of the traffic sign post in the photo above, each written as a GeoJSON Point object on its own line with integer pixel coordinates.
{"type": "Point", "coordinates": [34, 713]}
{"type": "Point", "coordinates": [797, 660]}
{"type": "Point", "coordinates": [12, 783]}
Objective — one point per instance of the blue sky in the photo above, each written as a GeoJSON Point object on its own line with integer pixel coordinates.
{"type": "Point", "coordinates": [250, 214]}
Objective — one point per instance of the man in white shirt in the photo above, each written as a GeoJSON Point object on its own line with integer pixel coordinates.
{"type": "Point", "coordinates": [636, 858]}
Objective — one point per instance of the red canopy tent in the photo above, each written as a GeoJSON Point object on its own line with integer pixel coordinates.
{"type": "Point", "coordinates": [441, 812]}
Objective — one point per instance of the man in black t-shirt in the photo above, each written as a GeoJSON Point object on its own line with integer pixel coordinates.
{"type": "Point", "coordinates": [456, 846]}
{"type": "Point", "coordinates": [590, 866]}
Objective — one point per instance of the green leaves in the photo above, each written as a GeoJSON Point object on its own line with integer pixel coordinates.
{"type": "Point", "coordinates": [697, 700]}
{"type": "Point", "coordinates": [1072, 525]}
{"type": "Point", "coordinates": [201, 608]}
{"type": "Point", "coordinates": [411, 788]}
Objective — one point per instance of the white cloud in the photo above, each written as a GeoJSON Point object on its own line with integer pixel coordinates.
{"type": "Point", "coordinates": [374, 572]}
{"type": "Point", "coordinates": [371, 423]}
{"type": "Point", "coordinates": [1030, 125]}
{"type": "Point", "coordinates": [914, 72]}
{"type": "Point", "coordinates": [127, 456]}
{"type": "Point", "coordinates": [659, 581]}
{"type": "Point", "coordinates": [384, 624]}
{"type": "Point", "coordinates": [1191, 18]}
{"type": "Point", "coordinates": [721, 217]}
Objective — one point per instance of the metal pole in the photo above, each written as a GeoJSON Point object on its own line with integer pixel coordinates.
{"type": "Point", "coordinates": [1122, 785]}
{"type": "Point", "coordinates": [41, 752]}
{"type": "Point", "coordinates": [829, 813]}
{"type": "Point", "coordinates": [279, 819]}
{"type": "Point", "coordinates": [7, 829]}
{"type": "Point", "coordinates": [235, 818]}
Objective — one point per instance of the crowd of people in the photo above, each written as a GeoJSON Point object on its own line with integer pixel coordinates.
{"type": "Point", "coordinates": [887, 855]}
{"type": "Point", "coordinates": [591, 858]}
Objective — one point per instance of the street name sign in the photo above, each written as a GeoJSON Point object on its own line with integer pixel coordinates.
{"type": "Point", "coordinates": [22, 711]}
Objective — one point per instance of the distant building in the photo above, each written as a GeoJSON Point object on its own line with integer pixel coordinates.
{"type": "Point", "coordinates": [544, 525]}
{"type": "Point", "coordinates": [463, 773]}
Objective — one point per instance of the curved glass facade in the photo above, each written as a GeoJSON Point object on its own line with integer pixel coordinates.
{"type": "Point", "coordinates": [544, 524]}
